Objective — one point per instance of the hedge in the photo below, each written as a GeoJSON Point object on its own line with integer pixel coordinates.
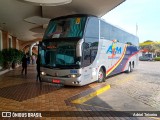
{"type": "Point", "coordinates": [157, 59]}
{"type": "Point", "coordinates": [10, 56]}
{"type": "Point", "coordinates": [1, 58]}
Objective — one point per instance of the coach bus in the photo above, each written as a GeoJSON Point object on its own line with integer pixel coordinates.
{"type": "Point", "coordinates": [80, 49]}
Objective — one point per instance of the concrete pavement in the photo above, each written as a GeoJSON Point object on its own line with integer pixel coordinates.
{"type": "Point", "coordinates": [23, 94]}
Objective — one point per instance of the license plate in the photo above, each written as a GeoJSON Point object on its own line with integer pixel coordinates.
{"type": "Point", "coordinates": [56, 81]}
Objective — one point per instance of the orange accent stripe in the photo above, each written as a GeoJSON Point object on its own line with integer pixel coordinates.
{"type": "Point", "coordinates": [117, 63]}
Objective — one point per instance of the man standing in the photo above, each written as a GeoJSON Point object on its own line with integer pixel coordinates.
{"type": "Point", "coordinates": [38, 68]}
{"type": "Point", "coordinates": [24, 64]}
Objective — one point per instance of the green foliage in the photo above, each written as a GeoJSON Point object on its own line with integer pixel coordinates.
{"type": "Point", "coordinates": [11, 55]}
{"type": "Point", "coordinates": [157, 59]}
{"type": "Point", "coordinates": [8, 55]}
{"type": "Point", "coordinates": [150, 46]}
{"type": "Point", "coordinates": [146, 43]}
{"type": "Point", "coordinates": [1, 58]}
{"type": "Point", "coordinates": [149, 43]}
{"type": "Point", "coordinates": [18, 56]}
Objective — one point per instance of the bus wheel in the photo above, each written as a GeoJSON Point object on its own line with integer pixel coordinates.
{"type": "Point", "coordinates": [129, 68]}
{"type": "Point", "coordinates": [101, 76]}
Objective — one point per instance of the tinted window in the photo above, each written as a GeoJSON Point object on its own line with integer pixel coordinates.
{"type": "Point", "coordinates": [116, 34]}
{"type": "Point", "coordinates": [105, 30]}
{"type": "Point", "coordinates": [58, 54]}
{"type": "Point", "coordinates": [130, 39]}
{"type": "Point", "coordinates": [92, 28]}
{"type": "Point", "coordinates": [63, 28]}
{"type": "Point", "coordinates": [110, 32]}
{"type": "Point", "coordinates": [91, 39]}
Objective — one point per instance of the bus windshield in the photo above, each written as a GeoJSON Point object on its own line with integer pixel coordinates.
{"type": "Point", "coordinates": [58, 54]}
{"type": "Point", "coordinates": [66, 27]}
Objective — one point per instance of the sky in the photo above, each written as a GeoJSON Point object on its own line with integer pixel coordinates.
{"type": "Point", "coordinates": [145, 14]}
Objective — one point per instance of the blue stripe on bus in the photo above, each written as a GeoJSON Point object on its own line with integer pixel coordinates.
{"type": "Point", "coordinates": [129, 52]}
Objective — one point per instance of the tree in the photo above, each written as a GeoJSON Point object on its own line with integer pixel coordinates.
{"type": "Point", "coordinates": [11, 56]}
{"type": "Point", "coordinates": [151, 47]}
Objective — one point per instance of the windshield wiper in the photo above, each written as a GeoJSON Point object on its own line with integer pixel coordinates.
{"type": "Point", "coordinates": [62, 66]}
{"type": "Point", "coordinates": [47, 66]}
{"type": "Point", "coordinates": [68, 66]}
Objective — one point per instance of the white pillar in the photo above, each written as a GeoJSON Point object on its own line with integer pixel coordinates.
{"type": "Point", "coordinates": [30, 48]}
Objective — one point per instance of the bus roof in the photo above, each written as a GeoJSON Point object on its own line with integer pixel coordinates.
{"type": "Point", "coordinates": [117, 27]}
{"type": "Point", "coordinates": [74, 15]}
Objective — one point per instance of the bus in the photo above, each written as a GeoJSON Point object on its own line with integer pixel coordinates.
{"type": "Point", "coordinates": [80, 49]}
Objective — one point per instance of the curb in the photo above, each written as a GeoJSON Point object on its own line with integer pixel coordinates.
{"type": "Point", "coordinates": [91, 95]}
{"type": "Point", "coordinates": [4, 71]}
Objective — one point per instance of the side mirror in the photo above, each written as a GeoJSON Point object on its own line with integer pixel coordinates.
{"type": "Point", "coordinates": [79, 48]}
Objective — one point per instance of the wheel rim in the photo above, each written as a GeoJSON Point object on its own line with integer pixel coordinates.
{"type": "Point", "coordinates": [100, 76]}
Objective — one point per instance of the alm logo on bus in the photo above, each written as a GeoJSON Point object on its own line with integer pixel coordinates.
{"type": "Point", "coordinates": [114, 50]}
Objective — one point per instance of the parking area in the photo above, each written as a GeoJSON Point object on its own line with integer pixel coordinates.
{"type": "Point", "coordinates": [143, 85]}
{"type": "Point", "coordinates": [137, 91]}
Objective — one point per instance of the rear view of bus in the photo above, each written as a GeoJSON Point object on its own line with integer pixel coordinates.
{"type": "Point", "coordinates": [79, 49]}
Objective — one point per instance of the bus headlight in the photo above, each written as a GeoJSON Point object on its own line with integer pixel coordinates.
{"type": "Point", "coordinates": [73, 75]}
{"type": "Point", "coordinates": [43, 73]}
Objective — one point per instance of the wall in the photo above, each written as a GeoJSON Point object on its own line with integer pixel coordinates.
{"type": "Point", "coordinates": [5, 43]}
{"type": "Point", "coordinates": [14, 42]}
{"type": "Point", "coordinates": [5, 39]}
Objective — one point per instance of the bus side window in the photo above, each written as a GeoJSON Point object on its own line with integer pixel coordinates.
{"type": "Point", "coordinates": [86, 53]}
{"type": "Point", "coordinates": [129, 43]}
{"type": "Point", "coordinates": [105, 29]}
{"type": "Point", "coordinates": [91, 40]}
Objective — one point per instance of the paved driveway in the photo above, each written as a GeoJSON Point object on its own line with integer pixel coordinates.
{"type": "Point", "coordinates": [138, 90]}
{"type": "Point", "coordinates": [143, 84]}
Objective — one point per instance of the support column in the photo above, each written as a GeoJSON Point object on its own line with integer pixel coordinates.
{"type": "Point", "coordinates": [5, 39]}
{"type": "Point", "coordinates": [30, 48]}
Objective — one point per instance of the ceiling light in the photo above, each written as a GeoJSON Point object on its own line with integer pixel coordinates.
{"type": "Point", "coordinates": [48, 2]}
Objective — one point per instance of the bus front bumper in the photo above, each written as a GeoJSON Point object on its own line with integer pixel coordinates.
{"type": "Point", "coordinates": [61, 80]}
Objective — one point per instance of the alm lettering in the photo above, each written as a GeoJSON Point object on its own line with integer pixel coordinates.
{"type": "Point", "coordinates": [117, 50]}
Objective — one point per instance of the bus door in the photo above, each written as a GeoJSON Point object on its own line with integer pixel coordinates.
{"type": "Point", "coordinates": [86, 61]}
{"type": "Point", "coordinates": [90, 47]}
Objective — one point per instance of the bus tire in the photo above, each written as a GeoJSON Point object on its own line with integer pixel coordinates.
{"type": "Point", "coordinates": [129, 68]}
{"type": "Point", "coordinates": [101, 76]}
